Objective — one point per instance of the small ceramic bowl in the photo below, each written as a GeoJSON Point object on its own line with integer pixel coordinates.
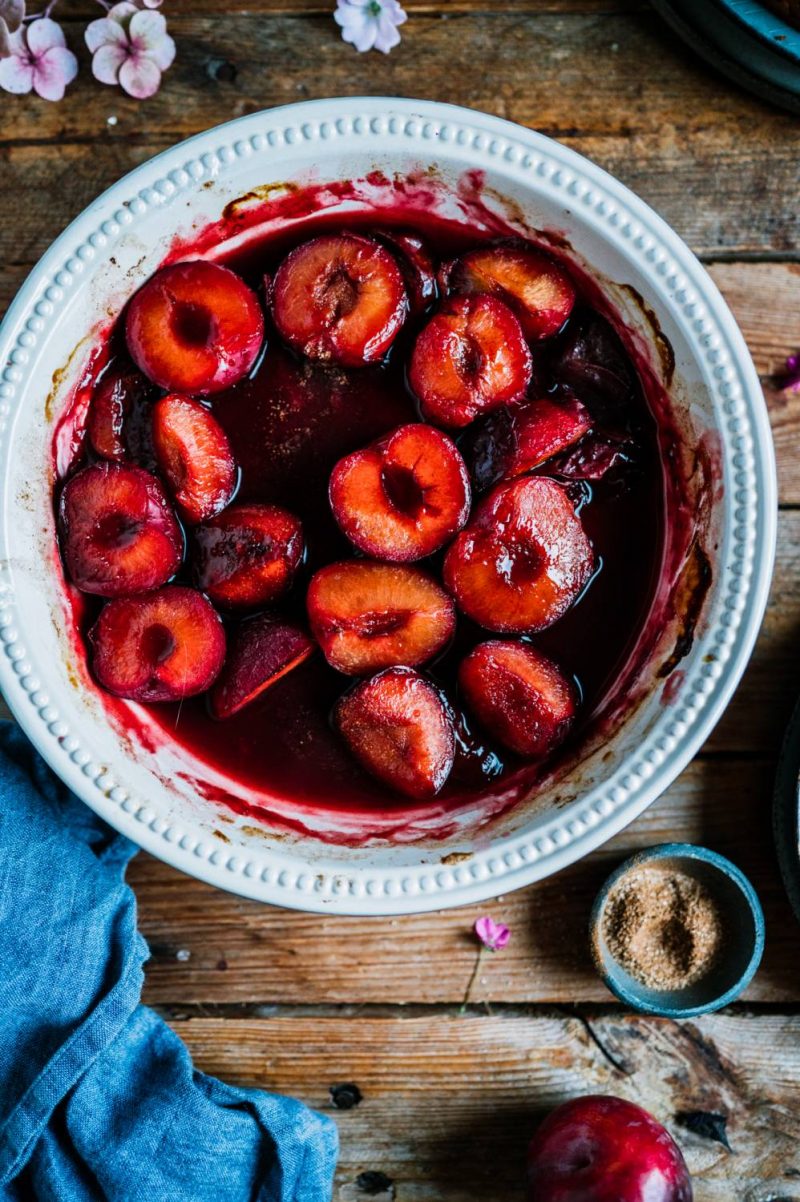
{"type": "Point", "coordinates": [743, 940]}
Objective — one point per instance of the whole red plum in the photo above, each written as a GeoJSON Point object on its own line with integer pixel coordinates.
{"type": "Point", "coordinates": [604, 1149]}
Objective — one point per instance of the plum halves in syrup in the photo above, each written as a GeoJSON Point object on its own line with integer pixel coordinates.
{"type": "Point", "coordinates": [366, 521]}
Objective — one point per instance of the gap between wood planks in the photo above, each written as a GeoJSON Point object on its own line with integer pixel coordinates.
{"type": "Point", "coordinates": [587, 1012]}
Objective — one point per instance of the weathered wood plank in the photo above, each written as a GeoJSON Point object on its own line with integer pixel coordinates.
{"type": "Point", "coordinates": [450, 1102]}
{"type": "Point", "coordinates": [414, 8]}
{"type": "Point", "coordinates": [12, 276]}
{"type": "Point", "coordinates": [240, 951]}
{"type": "Point", "coordinates": [673, 132]}
{"type": "Point", "coordinates": [760, 708]}
{"type": "Point", "coordinates": [765, 300]}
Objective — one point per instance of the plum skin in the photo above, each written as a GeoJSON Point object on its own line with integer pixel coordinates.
{"type": "Point", "coordinates": [604, 1149]}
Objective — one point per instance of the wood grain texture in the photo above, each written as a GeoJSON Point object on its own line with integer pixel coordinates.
{"type": "Point", "coordinates": [707, 156]}
{"type": "Point", "coordinates": [757, 715]}
{"type": "Point", "coordinates": [765, 300]}
{"type": "Point", "coordinates": [242, 952]}
{"type": "Point", "coordinates": [450, 1102]}
{"type": "Point", "coordinates": [414, 8]}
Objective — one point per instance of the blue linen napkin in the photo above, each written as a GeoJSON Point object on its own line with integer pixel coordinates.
{"type": "Point", "coordinates": [99, 1101]}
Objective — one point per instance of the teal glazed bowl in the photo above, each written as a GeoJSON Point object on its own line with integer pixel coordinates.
{"type": "Point", "coordinates": [743, 935]}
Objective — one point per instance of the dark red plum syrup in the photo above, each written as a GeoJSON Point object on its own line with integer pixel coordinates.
{"type": "Point", "coordinates": [288, 424]}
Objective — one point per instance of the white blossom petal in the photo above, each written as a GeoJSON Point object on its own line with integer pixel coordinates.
{"type": "Point", "coordinates": [12, 12]}
{"type": "Point", "coordinates": [363, 37]}
{"type": "Point", "coordinates": [358, 33]}
{"type": "Point", "coordinates": [17, 42]}
{"type": "Point", "coordinates": [370, 24]}
{"type": "Point", "coordinates": [104, 32]}
{"type": "Point", "coordinates": [348, 16]}
{"type": "Point", "coordinates": [386, 34]}
{"type": "Point", "coordinates": [43, 34]}
{"type": "Point", "coordinates": [147, 28]}
{"type": "Point", "coordinates": [56, 68]}
{"type": "Point", "coordinates": [16, 75]}
{"type": "Point", "coordinates": [5, 43]}
{"type": "Point", "coordinates": [122, 13]}
{"type": "Point", "coordinates": [163, 55]}
{"type": "Point", "coordinates": [140, 77]}
{"type": "Point", "coordinates": [107, 62]}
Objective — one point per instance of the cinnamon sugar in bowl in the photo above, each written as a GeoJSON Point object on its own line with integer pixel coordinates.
{"type": "Point", "coordinates": [677, 930]}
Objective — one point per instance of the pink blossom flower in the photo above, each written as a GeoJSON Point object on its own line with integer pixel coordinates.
{"type": "Point", "coordinates": [130, 47]}
{"type": "Point", "coordinates": [494, 935]}
{"type": "Point", "coordinates": [39, 61]}
{"type": "Point", "coordinates": [11, 14]}
{"type": "Point", "coordinates": [370, 24]}
{"type": "Point", "coordinates": [789, 378]}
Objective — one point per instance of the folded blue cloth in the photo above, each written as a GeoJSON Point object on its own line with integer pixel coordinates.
{"type": "Point", "coordinates": [99, 1101]}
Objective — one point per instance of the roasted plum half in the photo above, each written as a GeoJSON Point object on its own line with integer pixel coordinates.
{"type": "Point", "coordinates": [400, 730]}
{"type": "Point", "coordinates": [404, 497]}
{"type": "Point", "coordinates": [367, 615]}
{"type": "Point", "coordinates": [340, 297]}
{"type": "Point", "coordinates": [469, 359]}
{"type": "Point", "coordinates": [523, 560]}
{"type": "Point", "coordinates": [195, 328]}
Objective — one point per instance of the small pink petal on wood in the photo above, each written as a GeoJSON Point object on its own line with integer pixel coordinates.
{"type": "Point", "coordinates": [11, 14]}
{"type": "Point", "coordinates": [788, 380]}
{"type": "Point", "coordinates": [494, 935]}
{"type": "Point", "coordinates": [122, 13]}
{"type": "Point", "coordinates": [163, 55]}
{"type": "Point", "coordinates": [131, 48]}
{"type": "Point", "coordinates": [146, 29]}
{"type": "Point", "coordinates": [39, 61]}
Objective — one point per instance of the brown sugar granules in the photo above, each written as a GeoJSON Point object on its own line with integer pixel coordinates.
{"type": "Point", "coordinates": [663, 927]}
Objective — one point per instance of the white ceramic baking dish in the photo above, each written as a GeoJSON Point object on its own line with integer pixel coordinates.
{"type": "Point", "coordinates": [724, 467]}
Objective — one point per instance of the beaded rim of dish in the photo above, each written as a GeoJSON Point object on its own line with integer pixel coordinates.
{"type": "Point", "coordinates": [719, 655]}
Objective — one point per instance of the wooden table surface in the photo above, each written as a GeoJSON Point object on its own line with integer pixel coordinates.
{"type": "Point", "coordinates": [298, 1003]}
